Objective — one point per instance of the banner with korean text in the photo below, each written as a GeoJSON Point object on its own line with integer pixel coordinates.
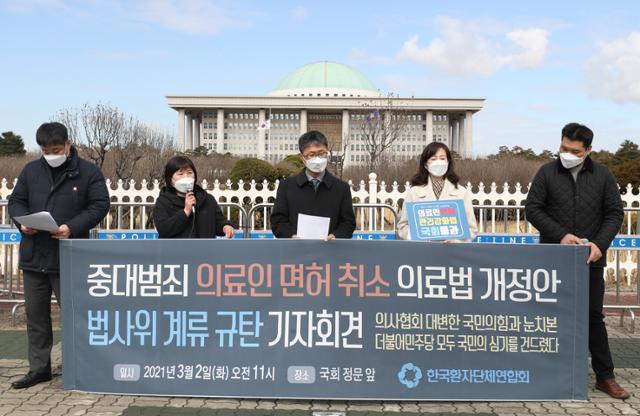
{"type": "Point", "coordinates": [374, 320]}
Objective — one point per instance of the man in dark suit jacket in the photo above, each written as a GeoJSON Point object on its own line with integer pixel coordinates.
{"type": "Point", "coordinates": [313, 191]}
{"type": "Point", "coordinates": [574, 200]}
{"type": "Point", "coordinates": [74, 192]}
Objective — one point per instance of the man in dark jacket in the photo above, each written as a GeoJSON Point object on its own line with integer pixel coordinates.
{"type": "Point", "coordinates": [313, 191]}
{"type": "Point", "coordinates": [575, 200]}
{"type": "Point", "coordinates": [73, 191]}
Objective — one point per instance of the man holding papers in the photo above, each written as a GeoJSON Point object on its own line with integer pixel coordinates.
{"type": "Point", "coordinates": [313, 192]}
{"type": "Point", "coordinates": [69, 197]}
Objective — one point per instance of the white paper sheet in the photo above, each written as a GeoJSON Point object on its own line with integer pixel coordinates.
{"type": "Point", "coordinates": [42, 221]}
{"type": "Point", "coordinates": [311, 227]}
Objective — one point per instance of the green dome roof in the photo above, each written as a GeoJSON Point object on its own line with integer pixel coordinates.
{"type": "Point", "coordinates": [324, 77]}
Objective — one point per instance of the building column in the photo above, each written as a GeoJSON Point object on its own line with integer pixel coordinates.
{"type": "Point", "coordinates": [460, 137]}
{"type": "Point", "coordinates": [196, 133]}
{"type": "Point", "coordinates": [220, 131]}
{"type": "Point", "coordinates": [189, 133]}
{"type": "Point", "coordinates": [455, 138]}
{"type": "Point", "coordinates": [303, 122]}
{"type": "Point", "coordinates": [450, 134]}
{"type": "Point", "coordinates": [181, 139]}
{"type": "Point", "coordinates": [346, 137]}
{"type": "Point", "coordinates": [261, 135]}
{"type": "Point", "coordinates": [429, 126]}
{"type": "Point", "coordinates": [468, 137]}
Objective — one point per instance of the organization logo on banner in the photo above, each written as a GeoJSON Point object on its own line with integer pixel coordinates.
{"type": "Point", "coordinates": [410, 375]}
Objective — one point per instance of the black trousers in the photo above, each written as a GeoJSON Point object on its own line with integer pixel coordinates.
{"type": "Point", "coordinates": [37, 294]}
{"type": "Point", "coordinates": [598, 339]}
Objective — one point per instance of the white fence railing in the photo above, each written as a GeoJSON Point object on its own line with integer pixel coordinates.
{"type": "Point", "coordinates": [249, 194]}
{"type": "Point", "coordinates": [372, 191]}
{"type": "Point", "coordinates": [499, 209]}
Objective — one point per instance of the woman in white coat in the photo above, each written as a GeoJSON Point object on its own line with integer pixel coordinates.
{"type": "Point", "coordinates": [436, 180]}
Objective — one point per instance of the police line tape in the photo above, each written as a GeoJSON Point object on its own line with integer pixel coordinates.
{"type": "Point", "coordinates": [11, 236]}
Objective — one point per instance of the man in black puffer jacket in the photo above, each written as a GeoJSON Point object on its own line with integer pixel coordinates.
{"type": "Point", "coordinates": [575, 200]}
{"type": "Point", "coordinates": [74, 192]}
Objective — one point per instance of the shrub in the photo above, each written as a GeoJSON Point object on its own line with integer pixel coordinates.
{"type": "Point", "coordinates": [627, 172]}
{"type": "Point", "coordinates": [289, 166]}
{"type": "Point", "coordinates": [252, 168]}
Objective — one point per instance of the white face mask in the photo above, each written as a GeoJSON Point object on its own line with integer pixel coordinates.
{"type": "Point", "coordinates": [437, 168]}
{"type": "Point", "coordinates": [55, 160]}
{"type": "Point", "coordinates": [184, 185]}
{"type": "Point", "coordinates": [316, 164]}
{"type": "Point", "coordinates": [569, 160]}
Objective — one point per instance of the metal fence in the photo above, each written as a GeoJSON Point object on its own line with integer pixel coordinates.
{"type": "Point", "coordinates": [369, 217]}
{"type": "Point", "coordinates": [512, 219]}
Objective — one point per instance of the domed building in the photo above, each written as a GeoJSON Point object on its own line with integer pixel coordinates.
{"type": "Point", "coordinates": [335, 99]}
{"type": "Point", "coordinates": [325, 79]}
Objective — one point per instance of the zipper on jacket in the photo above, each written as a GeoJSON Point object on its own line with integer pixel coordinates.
{"type": "Point", "coordinates": [575, 202]}
{"type": "Point", "coordinates": [68, 173]}
{"type": "Point", "coordinates": [576, 198]}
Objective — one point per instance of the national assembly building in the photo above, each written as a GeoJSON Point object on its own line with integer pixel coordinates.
{"type": "Point", "coordinates": [326, 96]}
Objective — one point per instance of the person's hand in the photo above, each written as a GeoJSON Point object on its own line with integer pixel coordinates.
{"type": "Point", "coordinates": [330, 237]}
{"type": "Point", "coordinates": [228, 231]}
{"type": "Point", "coordinates": [452, 241]}
{"type": "Point", "coordinates": [594, 253]}
{"type": "Point", "coordinates": [28, 230]}
{"type": "Point", "coordinates": [62, 233]}
{"type": "Point", "coordinates": [570, 239]}
{"type": "Point", "coordinates": [189, 203]}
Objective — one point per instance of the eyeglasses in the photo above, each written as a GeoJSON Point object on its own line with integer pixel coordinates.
{"type": "Point", "coordinates": [312, 155]}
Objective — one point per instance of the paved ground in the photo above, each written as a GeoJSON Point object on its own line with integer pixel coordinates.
{"type": "Point", "coordinates": [51, 399]}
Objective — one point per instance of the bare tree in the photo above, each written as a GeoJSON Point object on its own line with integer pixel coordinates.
{"type": "Point", "coordinates": [159, 146]}
{"type": "Point", "coordinates": [103, 127]}
{"type": "Point", "coordinates": [129, 148]}
{"type": "Point", "coordinates": [94, 130]}
{"type": "Point", "coordinates": [337, 154]}
{"type": "Point", "coordinates": [69, 117]}
{"type": "Point", "coordinates": [382, 126]}
{"type": "Point", "coordinates": [122, 146]}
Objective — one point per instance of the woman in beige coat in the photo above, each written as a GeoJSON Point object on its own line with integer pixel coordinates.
{"type": "Point", "coordinates": [436, 180]}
